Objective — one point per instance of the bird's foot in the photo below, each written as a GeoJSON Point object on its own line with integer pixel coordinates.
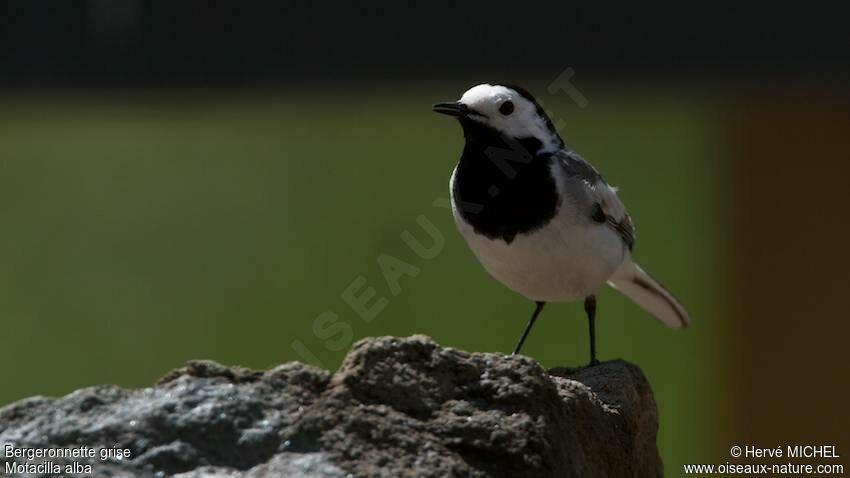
{"type": "Point", "coordinates": [593, 362]}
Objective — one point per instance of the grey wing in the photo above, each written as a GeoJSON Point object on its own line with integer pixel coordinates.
{"type": "Point", "coordinates": [608, 207]}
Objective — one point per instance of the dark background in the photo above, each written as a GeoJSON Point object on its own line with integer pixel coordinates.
{"type": "Point", "coordinates": [204, 179]}
{"type": "Point", "coordinates": [162, 42]}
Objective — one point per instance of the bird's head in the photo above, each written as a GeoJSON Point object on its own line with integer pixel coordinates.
{"type": "Point", "coordinates": [504, 109]}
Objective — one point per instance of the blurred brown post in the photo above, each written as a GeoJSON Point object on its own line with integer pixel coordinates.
{"type": "Point", "coordinates": [789, 244]}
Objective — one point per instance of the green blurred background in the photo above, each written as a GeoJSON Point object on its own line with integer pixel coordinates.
{"type": "Point", "coordinates": [151, 229]}
{"type": "Point", "coordinates": [156, 215]}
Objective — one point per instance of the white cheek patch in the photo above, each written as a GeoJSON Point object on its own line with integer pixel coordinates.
{"type": "Point", "coordinates": [524, 122]}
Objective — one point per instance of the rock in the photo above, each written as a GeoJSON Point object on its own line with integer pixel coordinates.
{"type": "Point", "coordinates": [397, 407]}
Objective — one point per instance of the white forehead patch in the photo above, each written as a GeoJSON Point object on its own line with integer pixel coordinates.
{"type": "Point", "coordinates": [481, 95]}
{"type": "Point", "coordinates": [523, 122]}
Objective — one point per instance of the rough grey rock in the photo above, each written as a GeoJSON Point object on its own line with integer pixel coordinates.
{"type": "Point", "coordinates": [397, 407]}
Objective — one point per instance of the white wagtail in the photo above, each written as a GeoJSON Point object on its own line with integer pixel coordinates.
{"type": "Point", "coordinates": [538, 216]}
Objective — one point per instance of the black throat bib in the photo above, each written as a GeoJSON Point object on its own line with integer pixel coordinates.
{"type": "Point", "coordinates": [502, 186]}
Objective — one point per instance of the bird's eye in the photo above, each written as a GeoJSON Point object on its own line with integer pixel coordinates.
{"type": "Point", "coordinates": [506, 108]}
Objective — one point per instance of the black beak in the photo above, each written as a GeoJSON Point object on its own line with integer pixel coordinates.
{"type": "Point", "coordinates": [452, 108]}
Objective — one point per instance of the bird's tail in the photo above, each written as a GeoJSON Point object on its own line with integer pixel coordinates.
{"type": "Point", "coordinates": [648, 293]}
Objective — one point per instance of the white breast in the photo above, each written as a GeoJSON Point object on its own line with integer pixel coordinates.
{"type": "Point", "coordinates": [568, 259]}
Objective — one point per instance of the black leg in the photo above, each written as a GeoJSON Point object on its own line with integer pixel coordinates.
{"type": "Point", "coordinates": [590, 309]}
{"type": "Point", "coordinates": [528, 327]}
